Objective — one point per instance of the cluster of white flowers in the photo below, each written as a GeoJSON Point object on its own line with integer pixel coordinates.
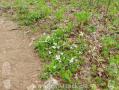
{"type": "Point", "coordinates": [73, 60]}
{"type": "Point", "coordinates": [55, 46]}
{"type": "Point", "coordinates": [73, 46]}
{"type": "Point", "coordinates": [58, 58]}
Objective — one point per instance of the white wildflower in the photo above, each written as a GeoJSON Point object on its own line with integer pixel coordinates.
{"type": "Point", "coordinates": [74, 45]}
{"type": "Point", "coordinates": [57, 57]}
{"type": "Point", "coordinates": [54, 47]}
{"type": "Point", "coordinates": [71, 47]}
{"type": "Point", "coordinates": [80, 52]}
{"type": "Point", "coordinates": [58, 47]}
{"type": "Point", "coordinates": [72, 60]}
{"type": "Point", "coordinates": [61, 53]}
{"type": "Point", "coordinates": [49, 52]}
{"type": "Point", "coordinates": [81, 34]}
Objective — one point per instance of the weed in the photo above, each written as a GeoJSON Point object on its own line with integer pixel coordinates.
{"type": "Point", "coordinates": [54, 2]}
{"type": "Point", "coordinates": [83, 17]}
{"type": "Point", "coordinates": [60, 14]}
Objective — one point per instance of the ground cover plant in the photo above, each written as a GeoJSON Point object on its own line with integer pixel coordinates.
{"type": "Point", "coordinates": [81, 41]}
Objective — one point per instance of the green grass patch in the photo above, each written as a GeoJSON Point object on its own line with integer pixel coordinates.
{"type": "Point", "coordinates": [64, 56]}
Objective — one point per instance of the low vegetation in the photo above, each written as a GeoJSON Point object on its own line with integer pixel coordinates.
{"type": "Point", "coordinates": [81, 41]}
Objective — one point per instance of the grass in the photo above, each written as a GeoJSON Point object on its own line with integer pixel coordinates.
{"type": "Point", "coordinates": [79, 34]}
{"type": "Point", "coordinates": [60, 13]}
{"type": "Point", "coordinates": [30, 16]}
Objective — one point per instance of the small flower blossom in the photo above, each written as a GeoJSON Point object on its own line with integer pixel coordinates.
{"type": "Point", "coordinates": [57, 57]}
{"type": "Point", "coordinates": [61, 53]}
{"type": "Point", "coordinates": [54, 47]}
{"type": "Point", "coordinates": [80, 52]}
{"type": "Point", "coordinates": [81, 34]}
{"type": "Point", "coordinates": [58, 47]}
{"type": "Point", "coordinates": [71, 47]}
{"type": "Point", "coordinates": [49, 52]}
{"type": "Point", "coordinates": [72, 60]}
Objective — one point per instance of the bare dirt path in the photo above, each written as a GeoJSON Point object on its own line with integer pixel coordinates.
{"type": "Point", "coordinates": [19, 66]}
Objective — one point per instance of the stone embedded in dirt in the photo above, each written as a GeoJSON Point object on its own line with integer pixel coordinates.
{"type": "Point", "coordinates": [50, 84]}
{"type": "Point", "coordinates": [31, 87]}
{"type": "Point", "coordinates": [7, 84]}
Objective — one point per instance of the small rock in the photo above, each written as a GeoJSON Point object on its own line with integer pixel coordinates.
{"type": "Point", "coordinates": [50, 84]}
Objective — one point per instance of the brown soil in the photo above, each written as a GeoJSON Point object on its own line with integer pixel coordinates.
{"type": "Point", "coordinates": [19, 65]}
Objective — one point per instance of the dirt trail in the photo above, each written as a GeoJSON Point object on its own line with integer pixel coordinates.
{"type": "Point", "coordinates": [19, 66]}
